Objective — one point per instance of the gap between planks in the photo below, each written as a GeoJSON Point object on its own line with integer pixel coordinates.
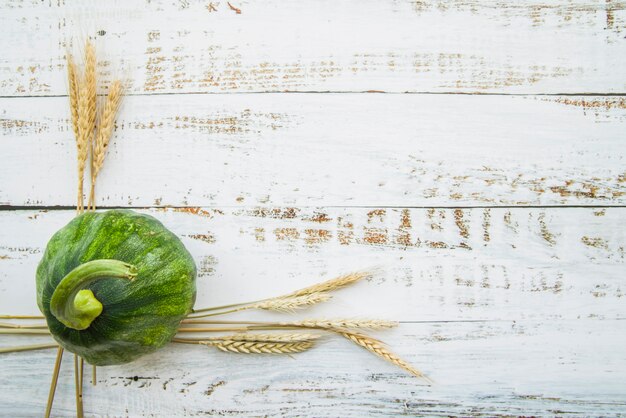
{"type": "Point", "coordinates": [69, 207]}
{"type": "Point", "coordinates": [433, 93]}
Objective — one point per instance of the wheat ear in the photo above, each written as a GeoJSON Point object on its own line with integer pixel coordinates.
{"type": "Point", "coordinates": [320, 288]}
{"type": "Point", "coordinates": [106, 124]}
{"type": "Point", "coordinates": [290, 304]}
{"type": "Point", "coordinates": [332, 284]}
{"type": "Point", "coordinates": [377, 347]}
{"type": "Point", "coordinates": [283, 304]}
{"type": "Point", "coordinates": [72, 81]}
{"type": "Point", "coordinates": [283, 343]}
{"type": "Point", "coordinates": [260, 347]}
{"type": "Point", "coordinates": [86, 117]}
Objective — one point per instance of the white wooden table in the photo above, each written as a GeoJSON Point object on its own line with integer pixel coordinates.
{"type": "Point", "coordinates": [474, 150]}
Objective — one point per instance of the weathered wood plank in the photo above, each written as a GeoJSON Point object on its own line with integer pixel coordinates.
{"type": "Point", "coordinates": [507, 368]}
{"type": "Point", "coordinates": [327, 150]}
{"type": "Point", "coordinates": [452, 264]}
{"type": "Point", "coordinates": [530, 46]}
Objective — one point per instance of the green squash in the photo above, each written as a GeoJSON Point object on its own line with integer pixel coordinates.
{"type": "Point", "coordinates": [115, 285]}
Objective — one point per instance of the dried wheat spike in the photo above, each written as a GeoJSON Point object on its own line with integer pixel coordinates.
{"type": "Point", "coordinates": [103, 134]}
{"type": "Point", "coordinates": [260, 347]}
{"type": "Point", "coordinates": [291, 303]}
{"type": "Point", "coordinates": [106, 125]}
{"type": "Point", "coordinates": [72, 81]}
{"type": "Point", "coordinates": [377, 347]}
{"type": "Point", "coordinates": [333, 284]}
{"type": "Point", "coordinates": [86, 116]}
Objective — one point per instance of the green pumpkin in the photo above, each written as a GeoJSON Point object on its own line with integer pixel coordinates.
{"type": "Point", "coordinates": [115, 285]}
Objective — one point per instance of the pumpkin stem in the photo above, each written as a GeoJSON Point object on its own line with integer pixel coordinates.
{"type": "Point", "coordinates": [76, 307]}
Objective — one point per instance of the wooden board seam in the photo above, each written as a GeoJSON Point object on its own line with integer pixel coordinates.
{"type": "Point", "coordinates": [434, 93]}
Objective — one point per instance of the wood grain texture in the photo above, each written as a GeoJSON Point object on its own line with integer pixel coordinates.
{"type": "Point", "coordinates": [452, 264]}
{"type": "Point", "coordinates": [327, 150]}
{"type": "Point", "coordinates": [545, 287]}
{"type": "Point", "coordinates": [539, 368]}
{"type": "Point", "coordinates": [254, 131]}
{"type": "Point", "coordinates": [530, 46]}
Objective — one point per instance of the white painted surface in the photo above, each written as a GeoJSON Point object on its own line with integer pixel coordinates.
{"type": "Point", "coordinates": [528, 46]}
{"type": "Point", "coordinates": [470, 264]}
{"type": "Point", "coordinates": [540, 368]}
{"type": "Point", "coordinates": [328, 149]}
{"type": "Point", "coordinates": [525, 305]}
{"type": "Point", "coordinates": [545, 285]}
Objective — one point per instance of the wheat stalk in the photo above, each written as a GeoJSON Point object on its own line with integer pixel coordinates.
{"type": "Point", "coordinates": [22, 317]}
{"type": "Point", "coordinates": [306, 323]}
{"type": "Point", "coordinates": [86, 117]}
{"type": "Point", "coordinates": [342, 323]}
{"type": "Point", "coordinates": [243, 336]}
{"type": "Point", "coordinates": [24, 331]}
{"type": "Point", "coordinates": [77, 385]}
{"type": "Point", "coordinates": [53, 383]}
{"type": "Point", "coordinates": [377, 347]}
{"type": "Point", "coordinates": [19, 326]}
{"type": "Point", "coordinates": [83, 109]}
{"type": "Point", "coordinates": [106, 124]}
{"type": "Point", "coordinates": [283, 337]}
{"type": "Point", "coordinates": [26, 348]}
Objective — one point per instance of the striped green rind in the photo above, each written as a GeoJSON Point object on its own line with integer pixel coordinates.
{"type": "Point", "coordinates": [138, 316]}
